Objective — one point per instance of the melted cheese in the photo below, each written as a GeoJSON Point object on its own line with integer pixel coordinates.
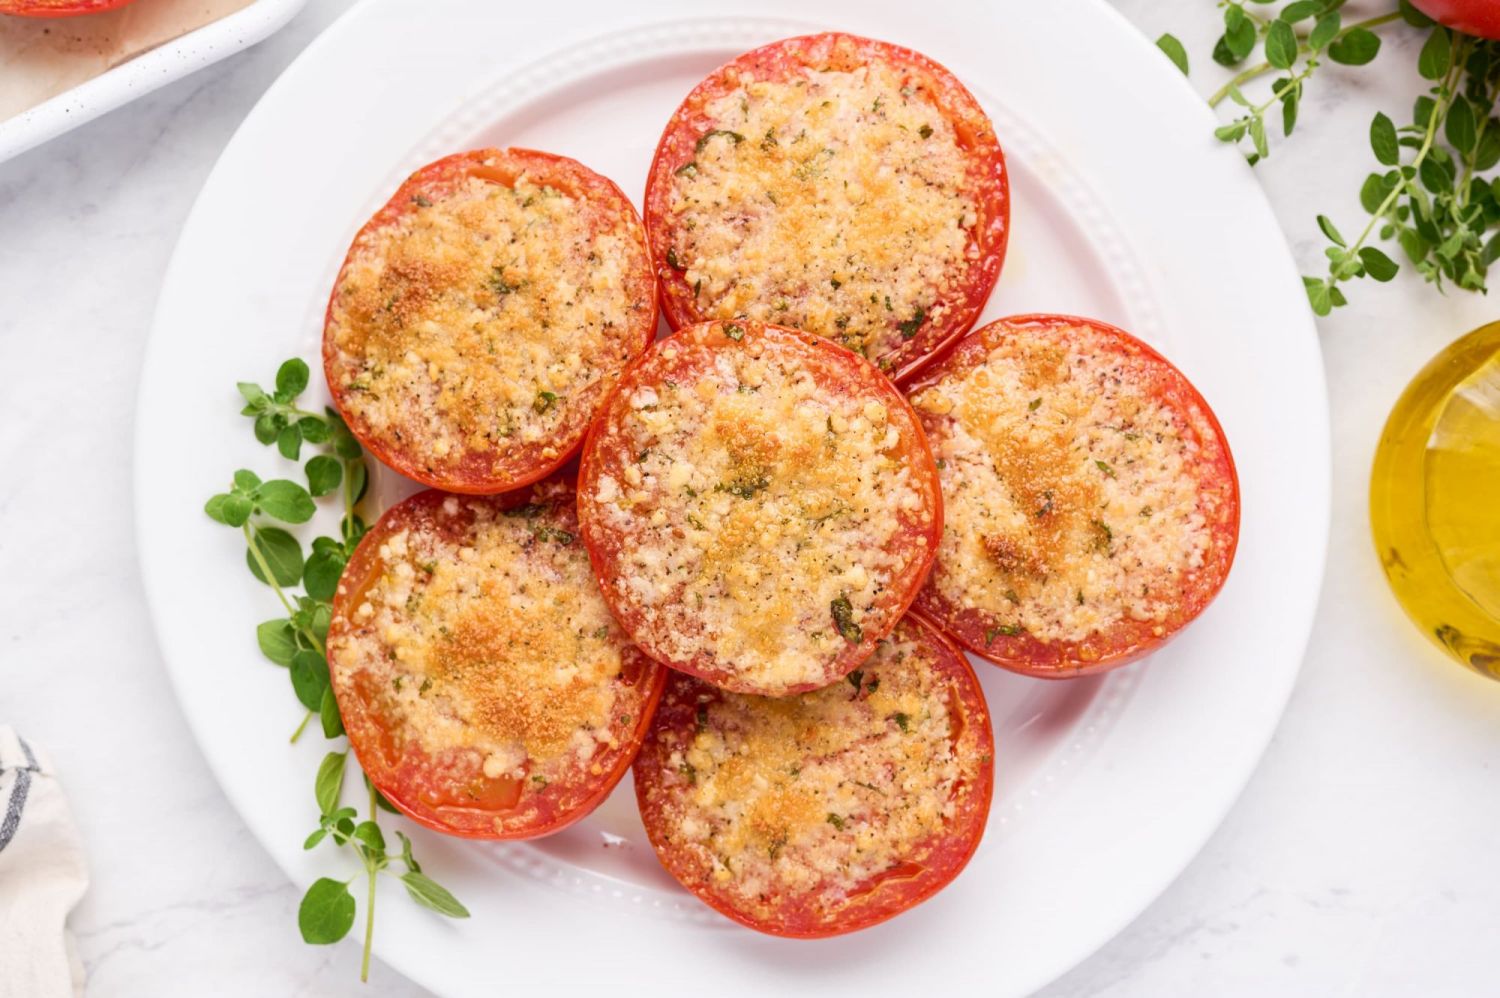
{"type": "Point", "coordinates": [472, 323]}
{"type": "Point", "coordinates": [836, 202]}
{"type": "Point", "coordinates": [1070, 494]}
{"type": "Point", "coordinates": [814, 795]}
{"type": "Point", "coordinates": [495, 643]}
{"type": "Point", "coordinates": [757, 500]}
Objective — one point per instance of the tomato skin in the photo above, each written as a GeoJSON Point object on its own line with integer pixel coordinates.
{"type": "Point", "coordinates": [780, 59]}
{"type": "Point", "coordinates": [883, 897]}
{"type": "Point", "coordinates": [475, 474]}
{"type": "Point", "coordinates": [602, 456]}
{"type": "Point", "coordinates": [400, 771]}
{"type": "Point", "coordinates": [1126, 641]}
{"type": "Point", "coordinates": [58, 8]}
{"type": "Point", "coordinates": [1480, 18]}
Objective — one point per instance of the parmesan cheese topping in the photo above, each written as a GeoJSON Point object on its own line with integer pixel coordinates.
{"type": "Point", "coordinates": [835, 202]}
{"type": "Point", "coordinates": [487, 636]}
{"type": "Point", "coordinates": [761, 510]}
{"type": "Point", "coordinates": [473, 323]}
{"type": "Point", "coordinates": [1071, 495]}
{"type": "Point", "coordinates": [818, 793]}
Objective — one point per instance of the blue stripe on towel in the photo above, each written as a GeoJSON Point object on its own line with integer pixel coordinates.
{"type": "Point", "coordinates": [17, 802]}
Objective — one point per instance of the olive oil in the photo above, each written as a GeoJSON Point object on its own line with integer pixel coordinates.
{"type": "Point", "coordinates": [1435, 499]}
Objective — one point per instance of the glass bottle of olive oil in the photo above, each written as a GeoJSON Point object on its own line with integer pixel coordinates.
{"type": "Point", "coordinates": [1435, 499]}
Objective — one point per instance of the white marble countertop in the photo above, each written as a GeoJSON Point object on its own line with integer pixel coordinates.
{"type": "Point", "coordinates": [1360, 860]}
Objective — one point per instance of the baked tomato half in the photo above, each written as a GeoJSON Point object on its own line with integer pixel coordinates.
{"type": "Point", "coordinates": [1091, 500]}
{"type": "Point", "coordinates": [828, 812]}
{"type": "Point", "coordinates": [484, 313]}
{"type": "Point", "coordinates": [836, 184]}
{"type": "Point", "coordinates": [484, 686]}
{"type": "Point", "coordinates": [1473, 17]}
{"type": "Point", "coordinates": [759, 504]}
{"type": "Point", "coordinates": [58, 8]}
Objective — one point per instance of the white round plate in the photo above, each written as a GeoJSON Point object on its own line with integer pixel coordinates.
{"type": "Point", "coordinates": [1125, 208]}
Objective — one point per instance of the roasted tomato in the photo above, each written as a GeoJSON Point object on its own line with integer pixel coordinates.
{"type": "Point", "coordinates": [1091, 500]}
{"type": "Point", "coordinates": [827, 812]}
{"type": "Point", "coordinates": [760, 506]}
{"type": "Point", "coordinates": [58, 8]}
{"type": "Point", "coordinates": [484, 313]}
{"type": "Point", "coordinates": [1472, 17]}
{"type": "Point", "coordinates": [484, 686]}
{"type": "Point", "coordinates": [836, 184]}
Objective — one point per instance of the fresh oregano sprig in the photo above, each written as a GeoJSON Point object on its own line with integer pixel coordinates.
{"type": "Point", "coordinates": [1295, 41]}
{"type": "Point", "coordinates": [327, 911]}
{"type": "Point", "coordinates": [297, 640]}
{"type": "Point", "coordinates": [1432, 195]}
{"type": "Point", "coordinates": [273, 555]}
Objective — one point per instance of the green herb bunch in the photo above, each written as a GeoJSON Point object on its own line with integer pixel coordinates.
{"type": "Point", "coordinates": [297, 640]}
{"type": "Point", "coordinates": [1430, 193]}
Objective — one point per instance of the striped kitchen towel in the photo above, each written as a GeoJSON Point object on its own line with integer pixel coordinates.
{"type": "Point", "coordinates": [42, 876]}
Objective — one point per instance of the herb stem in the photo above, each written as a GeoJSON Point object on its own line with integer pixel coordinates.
{"type": "Point", "coordinates": [301, 727]}
{"type": "Point", "coordinates": [1292, 84]}
{"type": "Point", "coordinates": [1370, 22]}
{"type": "Point", "coordinates": [1472, 156]}
{"type": "Point", "coordinates": [1244, 76]}
{"type": "Point", "coordinates": [291, 611]}
{"type": "Point", "coordinates": [1439, 111]}
{"type": "Point", "coordinates": [349, 497]}
{"type": "Point", "coordinates": [371, 869]}
{"type": "Point", "coordinates": [265, 570]}
{"type": "Point", "coordinates": [1261, 68]}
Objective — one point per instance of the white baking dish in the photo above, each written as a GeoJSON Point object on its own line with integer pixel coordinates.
{"type": "Point", "coordinates": [143, 74]}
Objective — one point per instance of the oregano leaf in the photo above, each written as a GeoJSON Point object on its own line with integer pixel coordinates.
{"type": "Point", "coordinates": [292, 378]}
{"type": "Point", "coordinates": [1383, 140]}
{"type": "Point", "coordinates": [309, 674]}
{"type": "Point", "coordinates": [1377, 264]}
{"type": "Point", "coordinates": [1281, 45]}
{"type": "Point", "coordinates": [1324, 31]}
{"type": "Point", "coordinates": [330, 781]}
{"type": "Point", "coordinates": [1175, 51]}
{"type": "Point", "coordinates": [286, 501]}
{"type": "Point", "coordinates": [1330, 230]}
{"type": "Point", "coordinates": [328, 715]}
{"type": "Point", "coordinates": [1357, 47]}
{"type": "Point", "coordinates": [282, 553]}
{"type": "Point", "coordinates": [324, 475]}
{"type": "Point", "coordinates": [430, 894]}
{"type": "Point", "coordinates": [277, 640]}
{"type": "Point", "coordinates": [1437, 55]}
{"type": "Point", "coordinates": [327, 912]}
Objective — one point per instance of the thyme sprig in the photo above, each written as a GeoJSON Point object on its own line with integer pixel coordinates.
{"type": "Point", "coordinates": [1432, 194]}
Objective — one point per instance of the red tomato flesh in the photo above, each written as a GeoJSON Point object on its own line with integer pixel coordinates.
{"type": "Point", "coordinates": [58, 8]}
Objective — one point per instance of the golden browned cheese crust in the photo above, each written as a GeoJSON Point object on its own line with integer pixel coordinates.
{"type": "Point", "coordinates": [1071, 493]}
{"type": "Point", "coordinates": [837, 202]}
{"type": "Point", "coordinates": [491, 638]}
{"type": "Point", "coordinates": [755, 503]}
{"type": "Point", "coordinates": [475, 321]}
{"type": "Point", "coordinates": [814, 795]}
